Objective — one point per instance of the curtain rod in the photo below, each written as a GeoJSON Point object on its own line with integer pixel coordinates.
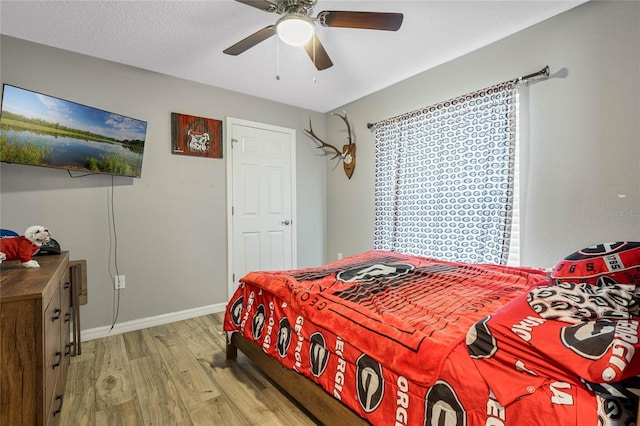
{"type": "Point", "coordinates": [544, 72]}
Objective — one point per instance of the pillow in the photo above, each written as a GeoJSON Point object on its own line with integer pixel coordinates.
{"type": "Point", "coordinates": [575, 303]}
{"type": "Point", "coordinates": [602, 264]}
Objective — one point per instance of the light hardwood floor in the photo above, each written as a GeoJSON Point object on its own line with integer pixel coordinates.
{"type": "Point", "coordinates": [174, 374]}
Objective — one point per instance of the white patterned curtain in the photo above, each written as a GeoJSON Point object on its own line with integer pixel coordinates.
{"type": "Point", "coordinates": [444, 178]}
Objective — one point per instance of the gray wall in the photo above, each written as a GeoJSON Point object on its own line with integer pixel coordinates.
{"type": "Point", "coordinates": [584, 151]}
{"type": "Point", "coordinates": [171, 223]}
{"type": "Point", "coordinates": [584, 132]}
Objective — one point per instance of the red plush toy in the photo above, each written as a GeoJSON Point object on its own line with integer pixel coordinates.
{"type": "Point", "coordinates": [24, 246]}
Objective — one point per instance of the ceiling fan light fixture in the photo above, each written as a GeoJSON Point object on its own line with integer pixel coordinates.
{"type": "Point", "coordinates": [295, 29]}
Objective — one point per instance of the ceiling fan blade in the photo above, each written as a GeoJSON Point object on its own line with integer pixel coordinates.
{"type": "Point", "coordinates": [251, 41]}
{"type": "Point", "coordinates": [260, 4]}
{"type": "Point", "coordinates": [320, 57]}
{"type": "Point", "coordinates": [363, 20]}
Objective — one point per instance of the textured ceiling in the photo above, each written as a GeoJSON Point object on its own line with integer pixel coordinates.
{"type": "Point", "coordinates": [185, 39]}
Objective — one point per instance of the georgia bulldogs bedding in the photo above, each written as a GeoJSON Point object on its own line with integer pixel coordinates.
{"type": "Point", "coordinates": [406, 340]}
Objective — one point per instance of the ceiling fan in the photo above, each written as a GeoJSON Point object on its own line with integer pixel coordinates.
{"type": "Point", "coordinates": [296, 26]}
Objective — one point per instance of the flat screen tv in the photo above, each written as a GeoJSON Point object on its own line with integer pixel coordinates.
{"type": "Point", "coordinates": [42, 130]}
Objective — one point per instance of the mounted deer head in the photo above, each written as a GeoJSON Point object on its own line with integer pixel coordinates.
{"type": "Point", "coordinates": [348, 153]}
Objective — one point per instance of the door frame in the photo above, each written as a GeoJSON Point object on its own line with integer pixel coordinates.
{"type": "Point", "coordinates": [230, 122]}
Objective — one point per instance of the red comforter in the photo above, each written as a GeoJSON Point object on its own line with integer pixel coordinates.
{"type": "Point", "coordinates": [387, 334]}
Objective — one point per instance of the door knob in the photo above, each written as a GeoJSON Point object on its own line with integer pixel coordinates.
{"type": "Point", "coordinates": [286, 222]}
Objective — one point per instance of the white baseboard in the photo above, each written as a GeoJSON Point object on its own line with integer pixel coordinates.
{"type": "Point", "coordinates": [123, 327]}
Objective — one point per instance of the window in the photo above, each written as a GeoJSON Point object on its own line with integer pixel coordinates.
{"type": "Point", "coordinates": [444, 180]}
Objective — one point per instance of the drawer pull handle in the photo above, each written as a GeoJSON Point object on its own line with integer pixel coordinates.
{"type": "Point", "coordinates": [59, 409]}
{"type": "Point", "coordinates": [56, 314]}
{"type": "Point", "coordinates": [57, 363]}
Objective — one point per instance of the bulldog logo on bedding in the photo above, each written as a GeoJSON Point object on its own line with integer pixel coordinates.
{"type": "Point", "coordinates": [257, 326]}
{"type": "Point", "coordinates": [590, 339]}
{"type": "Point", "coordinates": [374, 271]}
{"type": "Point", "coordinates": [480, 342]}
{"type": "Point", "coordinates": [284, 337]}
{"type": "Point", "coordinates": [442, 406]}
{"type": "Point", "coordinates": [369, 382]}
{"type": "Point", "coordinates": [318, 354]}
{"type": "Point", "coordinates": [236, 311]}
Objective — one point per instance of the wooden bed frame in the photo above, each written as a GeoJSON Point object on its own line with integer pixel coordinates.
{"type": "Point", "coordinates": [322, 405]}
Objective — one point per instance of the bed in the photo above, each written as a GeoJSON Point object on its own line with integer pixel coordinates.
{"type": "Point", "coordinates": [392, 339]}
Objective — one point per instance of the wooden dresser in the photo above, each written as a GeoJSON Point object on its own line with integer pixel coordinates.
{"type": "Point", "coordinates": [35, 320]}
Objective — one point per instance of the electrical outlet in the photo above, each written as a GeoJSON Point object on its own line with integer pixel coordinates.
{"type": "Point", "coordinates": [118, 282]}
{"type": "Point", "coordinates": [339, 256]}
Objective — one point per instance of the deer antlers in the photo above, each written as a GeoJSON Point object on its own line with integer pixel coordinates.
{"type": "Point", "coordinates": [348, 153]}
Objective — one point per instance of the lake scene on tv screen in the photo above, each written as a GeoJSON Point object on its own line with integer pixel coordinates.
{"type": "Point", "coordinates": [42, 130]}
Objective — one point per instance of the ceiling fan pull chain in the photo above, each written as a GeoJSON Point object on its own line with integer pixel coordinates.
{"type": "Point", "coordinates": [313, 41]}
{"type": "Point", "coordinates": [277, 58]}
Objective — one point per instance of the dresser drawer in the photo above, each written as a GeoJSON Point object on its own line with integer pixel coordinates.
{"type": "Point", "coordinates": [67, 318]}
{"type": "Point", "coordinates": [33, 336]}
{"type": "Point", "coordinates": [53, 351]}
{"type": "Point", "coordinates": [55, 406]}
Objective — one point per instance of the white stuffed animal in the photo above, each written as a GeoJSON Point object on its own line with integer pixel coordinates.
{"type": "Point", "coordinates": [24, 246]}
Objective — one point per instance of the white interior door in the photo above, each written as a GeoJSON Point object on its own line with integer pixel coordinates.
{"type": "Point", "coordinates": [261, 192]}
